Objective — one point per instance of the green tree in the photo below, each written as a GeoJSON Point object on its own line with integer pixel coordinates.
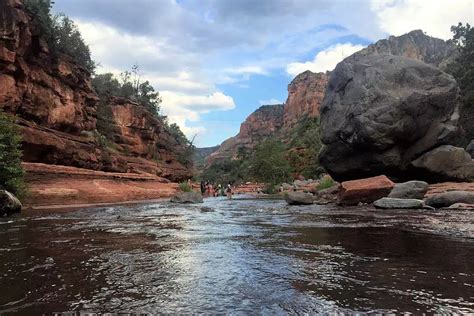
{"type": "Point", "coordinates": [60, 32]}
{"type": "Point", "coordinates": [268, 163]}
{"type": "Point", "coordinates": [463, 70]}
{"type": "Point", "coordinates": [11, 172]}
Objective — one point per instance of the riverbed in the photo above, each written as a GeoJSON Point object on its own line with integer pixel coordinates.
{"type": "Point", "coordinates": [245, 256]}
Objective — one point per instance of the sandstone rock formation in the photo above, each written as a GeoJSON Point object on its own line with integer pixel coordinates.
{"type": "Point", "coordinates": [305, 96]}
{"type": "Point", "coordinates": [264, 122]}
{"type": "Point", "coordinates": [57, 109]}
{"type": "Point", "coordinates": [364, 190]}
{"type": "Point", "coordinates": [381, 112]}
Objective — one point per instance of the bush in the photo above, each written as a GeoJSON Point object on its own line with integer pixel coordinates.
{"type": "Point", "coordinates": [325, 182]}
{"type": "Point", "coordinates": [270, 189]}
{"type": "Point", "coordinates": [11, 172]}
{"type": "Point", "coordinates": [268, 163]}
{"type": "Point", "coordinates": [185, 187]}
{"type": "Point", "coordinates": [60, 32]}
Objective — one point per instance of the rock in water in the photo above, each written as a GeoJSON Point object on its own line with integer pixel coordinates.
{"type": "Point", "coordinates": [470, 149]}
{"type": "Point", "coordinates": [187, 197]}
{"type": "Point", "coordinates": [206, 209]}
{"type": "Point", "coordinates": [394, 203]}
{"type": "Point", "coordinates": [445, 163]}
{"type": "Point", "coordinates": [364, 190]}
{"type": "Point", "coordinates": [381, 112]}
{"type": "Point", "coordinates": [9, 204]}
{"type": "Point", "coordinates": [299, 198]}
{"type": "Point", "coordinates": [409, 190]}
{"type": "Point", "coordinates": [449, 198]}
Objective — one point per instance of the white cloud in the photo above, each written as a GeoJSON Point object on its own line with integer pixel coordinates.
{"type": "Point", "coordinates": [270, 102]}
{"type": "Point", "coordinates": [324, 60]}
{"type": "Point", "coordinates": [435, 17]}
{"type": "Point", "coordinates": [181, 108]}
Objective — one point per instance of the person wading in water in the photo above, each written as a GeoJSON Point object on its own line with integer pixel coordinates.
{"type": "Point", "coordinates": [229, 192]}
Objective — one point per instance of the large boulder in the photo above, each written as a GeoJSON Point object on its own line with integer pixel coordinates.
{"type": "Point", "coordinates": [381, 112]}
{"type": "Point", "coordinates": [364, 190]}
{"type": "Point", "coordinates": [187, 197]}
{"type": "Point", "coordinates": [9, 204]}
{"type": "Point", "coordinates": [445, 163]}
{"type": "Point", "coordinates": [299, 198]}
{"type": "Point", "coordinates": [470, 149]}
{"type": "Point", "coordinates": [394, 203]}
{"type": "Point", "coordinates": [449, 198]}
{"type": "Point", "coordinates": [409, 190]}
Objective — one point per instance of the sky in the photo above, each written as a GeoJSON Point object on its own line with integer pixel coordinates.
{"type": "Point", "coordinates": [216, 61]}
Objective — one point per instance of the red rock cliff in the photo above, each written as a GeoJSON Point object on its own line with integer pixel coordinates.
{"type": "Point", "coordinates": [305, 95]}
{"type": "Point", "coordinates": [265, 121]}
{"type": "Point", "coordinates": [57, 109]}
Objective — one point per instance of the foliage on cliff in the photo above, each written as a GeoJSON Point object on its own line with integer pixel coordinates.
{"type": "Point", "coordinates": [273, 160]}
{"type": "Point", "coordinates": [463, 70]}
{"type": "Point", "coordinates": [11, 172]}
{"type": "Point", "coordinates": [60, 33]}
{"type": "Point", "coordinates": [130, 86]}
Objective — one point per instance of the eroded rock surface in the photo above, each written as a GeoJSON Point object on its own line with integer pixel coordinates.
{"type": "Point", "coordinates": [383, 111]}
{"type": "Point", "coordinates": [56, 106]}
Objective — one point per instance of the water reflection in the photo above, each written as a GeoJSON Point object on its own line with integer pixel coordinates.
{"type": "Point", "coordinates": [247, 256]}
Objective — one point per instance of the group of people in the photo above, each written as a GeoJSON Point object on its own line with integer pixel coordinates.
{"type": "Point", "coordinates": [210, 189]}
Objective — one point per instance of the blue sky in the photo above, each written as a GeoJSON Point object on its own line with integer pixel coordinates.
{"type": "Point", "coordinates": [216, 61]}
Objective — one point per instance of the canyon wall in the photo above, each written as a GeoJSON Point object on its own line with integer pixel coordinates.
{"type": "Point", "coordinates": [305, 96]}
{"type": "Point", "coordinates": [56, 107]}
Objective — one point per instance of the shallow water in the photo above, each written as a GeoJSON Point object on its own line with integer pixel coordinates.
{"type": "Point", "coordinates": [246, 256]}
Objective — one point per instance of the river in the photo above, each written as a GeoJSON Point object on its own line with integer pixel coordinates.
{"type": "Point", "coordinates": [245, 257]}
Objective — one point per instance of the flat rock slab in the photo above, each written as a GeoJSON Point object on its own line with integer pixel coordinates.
{"type": "Point", "coordinates": [449, 198]}
{"type": "Point", "coordinates": [394, 203]}
{"type": "Point", "coordinates": [364, 190]}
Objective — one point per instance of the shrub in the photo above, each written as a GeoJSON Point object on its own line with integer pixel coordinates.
{"type": "Point", "coordinates": [11, 172]}
{"type": "Point", "coordinates": [185, 187]}
{"type": "Point", "coordinates": [270, 189]}
{"type": "Point", "coordinates": [325, 182]}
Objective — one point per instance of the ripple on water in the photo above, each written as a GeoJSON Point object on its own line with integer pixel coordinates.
{"type": "Point", "coordinates": [246, 256]}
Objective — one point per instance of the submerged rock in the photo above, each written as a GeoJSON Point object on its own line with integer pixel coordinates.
{"type": "Point", "coordinates": [187, 197]}
{"type": "Point", "coordinates": [409, 190]}
{"type": "Point", "coordinates": [395, 203]}
{"type": "Point", "coordinates": [364, 190]}
{"type": "Point", "coordinates": [449, 198]}
{"type": "Point", "coordinates": [299, 198]}
{"type": "Point", "coordinates": [9, 204]}
{"type": "Point", "coordinates": [445, 163]}
{"type": "Point", "coordinates": [206, 209]}
{"type": "Point", "coordinates": [381, 112]}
